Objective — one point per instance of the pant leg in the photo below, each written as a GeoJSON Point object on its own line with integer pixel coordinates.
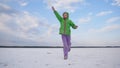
{"type": "Point", "coordinates": [65, 48]}
{"type": "Point", "coordinates": [69, 42]}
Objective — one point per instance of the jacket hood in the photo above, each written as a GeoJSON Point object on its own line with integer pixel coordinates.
{"type": "Point", "coordinates": [67, 14]}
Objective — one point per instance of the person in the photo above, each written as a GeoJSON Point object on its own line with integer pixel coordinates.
{"type": "Point", "coordinates": [65, 24]}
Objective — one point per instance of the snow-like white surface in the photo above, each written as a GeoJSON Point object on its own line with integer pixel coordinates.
{"type": "Point", "coordinates": [53, 58]}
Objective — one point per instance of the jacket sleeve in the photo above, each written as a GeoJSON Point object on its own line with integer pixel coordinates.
{"type": "Point", "coordinates": [58, 16]}
{"type": "Point", "coordinates": [72, 24]}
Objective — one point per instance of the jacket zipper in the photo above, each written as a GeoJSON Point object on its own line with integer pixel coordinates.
{"type": "Point", "coordinates": [64, 26]}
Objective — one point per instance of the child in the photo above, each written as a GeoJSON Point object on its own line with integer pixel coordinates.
{"type": "Point", "coordinates": [65, 24]}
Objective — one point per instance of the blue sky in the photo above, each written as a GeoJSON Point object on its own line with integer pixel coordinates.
{"type": "Point", "coordinates": [32, 22]}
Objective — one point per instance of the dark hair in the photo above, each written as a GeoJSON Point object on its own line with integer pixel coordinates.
{"type": "Point", "coordinates": [66, 13]}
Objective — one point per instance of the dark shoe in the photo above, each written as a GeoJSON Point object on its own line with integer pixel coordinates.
{"type": "Point", "coordinates": [69, 50]}
{"type": "Point", "coordinates": [65, 57]}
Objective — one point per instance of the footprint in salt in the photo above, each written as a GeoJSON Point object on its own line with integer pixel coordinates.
{"type": "Point", "coordinates": [49, 53]}
{"type": "Point", "coordinates": [69, 64]}
{"type": "Point", "coordinates": [5, 65]}
{"type": "Point", "coordinates": [46, 64]}
{"type": "Point", "coordinates": [36, 61]}
{"type": "Point", "coordinates": [20, 61]}
{"type": "Point", "coordinates": [97, 65]}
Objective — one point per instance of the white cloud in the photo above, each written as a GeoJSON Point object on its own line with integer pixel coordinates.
{"type": "Point", "coordinates": [22, 2]}
{"type": "Point", "coordinates": [52, 28]}
{"type": "Point", "coordinates": [27, 21]}
{"type": "Point", "coordinates": [103, 13]}
{"type": "Point", "coordinates": [113, 19]}
{"type": "Point", "coordinates": [28, 27]}
{"type": "Point", "coordinates": [69, 5]}
{"type": "Point", "coordinates": [25, 25]}
{"type": "Point", "coordinates": [4, 6]}
{"type": "Point", "coordinates": [106, 28]}
{"type": "Point", "coordinates": [116, 2]}
{"type": "Point", "coordinates": [84, 20]}
{"type": "Point", "coordinates": [4, 18]}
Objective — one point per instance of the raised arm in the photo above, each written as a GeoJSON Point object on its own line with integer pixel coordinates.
{"type": "Point", "coordinates": [53, 8]}
{"type": "Point", "coordinates": [57, 14]}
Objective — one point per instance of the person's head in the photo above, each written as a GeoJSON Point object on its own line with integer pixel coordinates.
{"type": "Point", "coordinates": [65, 15]}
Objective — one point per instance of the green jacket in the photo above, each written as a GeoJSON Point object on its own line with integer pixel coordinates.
{"type": "Point", "coordinates": [65, 24]}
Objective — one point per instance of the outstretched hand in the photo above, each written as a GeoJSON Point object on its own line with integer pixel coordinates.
{"type": "Point", "coordinates": [76, 27]}
{"type": "Point", "coordinates": [53, 8]}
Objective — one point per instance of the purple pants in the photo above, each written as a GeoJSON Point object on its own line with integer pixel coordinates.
{"type": "Point", "coordinates": [67, 44]}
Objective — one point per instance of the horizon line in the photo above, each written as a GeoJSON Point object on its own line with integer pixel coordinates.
{"type": "Point", "coordinates": [59, 46]}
